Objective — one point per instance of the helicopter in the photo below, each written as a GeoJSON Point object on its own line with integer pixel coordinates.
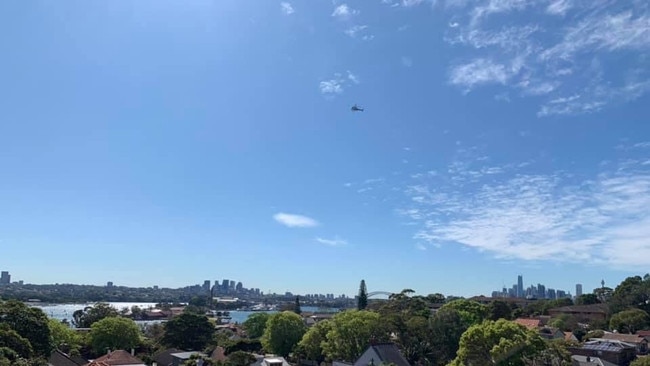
{"type": "Point", "coordinates": [356, 108]}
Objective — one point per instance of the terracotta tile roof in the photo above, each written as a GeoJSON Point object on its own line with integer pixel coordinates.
{"type": "Point", "coordinates": [643, 333]}
{"type": "Point", "coordinates": [528, 322]}
{"type": "Point", "coordinates": [219, 354]}
{"type": "Point", "coordinates": [568, 336]}
{"type": "Point", "coordinates": [119, 357]}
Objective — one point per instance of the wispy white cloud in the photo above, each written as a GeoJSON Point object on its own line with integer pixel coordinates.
{"type": "Point", "coordinates": [353, 78]}
{"type": "Point", "coordinates": [343, 11]}
{"type": "Point", "coordinates": [332, 86]}
{"type": "Point", "coordinates": [598, 219]}
{"type": "Point", "coordinates": [287, 8]}
{"type": "Point", "coordinates": [559, 7]}
{"type": "Point", "coordinates": [479, 71]}
{"type": "Point", "coordinates": [292, 220]}
{"type": "Point", "coordinates": [359, 31]}
{"type": "Point", "coordinates": [336, 242]}
{"type": "Point", "coordinates": [337, 84]}
{"type": "Point", "coordinates": [554, 64]}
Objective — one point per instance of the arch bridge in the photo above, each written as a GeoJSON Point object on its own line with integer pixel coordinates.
{"type": "Point", "coordinates": [377, 293]}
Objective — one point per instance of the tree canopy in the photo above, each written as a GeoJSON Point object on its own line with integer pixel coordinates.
{"type": "Point", "coordinates": [362, 299]}
{"type": "Point", "coordinates": [350, 334]}
{"type": "Point", "coordinates": [91, 314]}
{"type": "Point", "coordinates": [30, 323]}
{"type": "Point", "coordinates": [283, 331]}
{"type": "Point", "coordinates": [188, 331]}
{"type": "Point", "coordinates": [256, 324]}
{"type": "Point", "coordinates": [629, 321]}
{"type": "Point", "coordinates": [500, 342]}
{"type": "Point", "coordinates": [114, 333]}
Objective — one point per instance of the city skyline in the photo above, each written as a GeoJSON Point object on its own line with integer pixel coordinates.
{"type": "Point", "coordinates": [155, 142]}
{"type": "Point", "coordinates": [259, 290]}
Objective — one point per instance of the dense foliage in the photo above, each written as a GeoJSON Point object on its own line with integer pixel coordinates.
{"type": "Point", "coordinates": [429, 330]}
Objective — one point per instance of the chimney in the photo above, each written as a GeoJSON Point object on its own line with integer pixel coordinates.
{"type": "Point", "coordinates": [132, 352]}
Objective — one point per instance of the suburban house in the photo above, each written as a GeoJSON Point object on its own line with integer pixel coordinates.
{"type": "Point", "coordinates": [538, 325]}
{"type": "Point", "coordinates": [164, 358]}
{"type": "Point", "coordinates": [616, 352]}
{"type": "Point", "coordinates": [270, 360]}
{"type": "Point", "coordinates": [641, 343]}
{"type": "Point", "coordinates": [569, 336]}
{"type": "Point", "coordinates": [117, 358]}
{"type": "Point", "coordinates": [58, 358]}
{"type": "Point", "coordinates": [583, 313]}
{"type": "Point", "coordinates": [382, 353]}
{"type": "Point", "coordinates": [179, 358]}
{"type": "Point", "coordinates": [577, 360]}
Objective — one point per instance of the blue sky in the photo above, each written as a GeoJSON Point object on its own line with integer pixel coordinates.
{"type": "Point", "coordinates": [155, 142]}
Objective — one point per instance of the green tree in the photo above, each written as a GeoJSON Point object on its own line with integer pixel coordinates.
{"type": "Point", "coordinates": [296, 308]}
{"type": "Point", "coordinates": [283, 331]}
{"type": "Point", "coordinates": [564, 322]}
{"type": "Point", "coordinates": [500, 342]}
{"type": "Point", "coordinates": [629, 321]}
{"type": "Point", "coordinates": [114, 333]}
{"type": "Point", "coordinates": [641, 361]}
{"type": "Point", "coordinates": [587, 299]}
{"type": "Point", "coordinates": [91, 314]}
{"type": "Point", "coordinates": [13, 341]}
{"type": "Point", "coordinates": [193, 360]}
{"type": "Point", "coordinates": [240, 358]}
{"type": "Point", "coordinates": [256, 324]}
{"type": "Point", "coordinates": [351, 333]}
{"type": "Point", "coordinates": [436, 298]}
{"type": "Point", "coordinates": [633, 292]}
{"type": "Point", "coordinates": [63, 337]}
{"type": "Point", "coordinates": [470, 311]}
{"type": "Point", "coordinates": [499, 309]}
{"type": "Point", "coordinates": [556, 353]}
{"type": "Point", "coordinates": [362, 299]}
{"type": "Point", "coordinates": [188, 331]}
{"type": "Point", "coordinates": [310, 346]}
{"type": "Point", "coordinates": [447, 326]}
{"type": "Point", "coordinates": [30, 322]}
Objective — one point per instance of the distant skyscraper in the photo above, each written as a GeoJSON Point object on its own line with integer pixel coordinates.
{"type": "Point", "coordinates": [207, 285]}
{"type": "Point", "coordinates": [5, 278]}
{"type": "Point", "coordinates": [109, 284]}
{"type": "Point", "coordinates": [239, 287]}
{"type": "Point", "coordinates": [578, 290]}
{"type": "Point", "coordinates": [520, 286]}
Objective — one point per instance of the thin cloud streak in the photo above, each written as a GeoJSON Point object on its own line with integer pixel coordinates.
{"type": "Point", "coordinates": [295, 221]}
{"type": "Point", "coordinates": [336, 242]}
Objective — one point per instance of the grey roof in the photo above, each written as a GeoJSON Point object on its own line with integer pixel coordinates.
{"type": "Point", "coordinates": [607, 345]}
{"type": "Point", "coordinates": [185, 355]}
{"type": "Point", "coordinates": [593, 361]}
{"type": "Point", "coordinates": [389, 353]}
{"type": "Point", "coordinates": [164, 358]}
{"type": "Point", "coordinates": [58, 358]}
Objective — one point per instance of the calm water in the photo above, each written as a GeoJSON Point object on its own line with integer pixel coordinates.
{"type": "Point", "coordinates": [65, 311]}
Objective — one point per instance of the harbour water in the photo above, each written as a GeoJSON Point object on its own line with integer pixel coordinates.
{"type": "Point", "coordinates": [65, 311]}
